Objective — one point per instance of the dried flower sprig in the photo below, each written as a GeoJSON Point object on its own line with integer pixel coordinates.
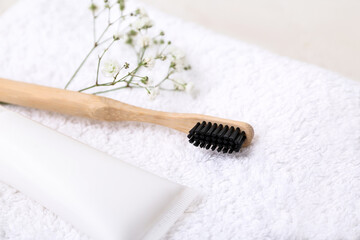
{"type": "Point", "coordinates": [148, 48]}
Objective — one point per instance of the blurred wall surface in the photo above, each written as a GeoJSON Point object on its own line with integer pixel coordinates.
{"type": "Point", "coordinates": [5, 4]}
{"type": "Point", "coordinates": [322, 32]}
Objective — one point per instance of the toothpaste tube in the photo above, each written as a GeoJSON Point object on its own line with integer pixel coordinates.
{"type": "Point", "coordinates": [99, 195]}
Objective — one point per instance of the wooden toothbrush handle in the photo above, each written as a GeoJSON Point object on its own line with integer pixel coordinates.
{"type": "Point", "coordinates": [102, 108]}
{"type": "Point", "coordinates": [65, 101]}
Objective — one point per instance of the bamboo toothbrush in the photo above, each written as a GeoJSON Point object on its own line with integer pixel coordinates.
{"type": "Point", "coordinates": [226, 136]}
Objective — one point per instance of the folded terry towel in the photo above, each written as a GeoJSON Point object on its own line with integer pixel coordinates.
{"type": "Point", "coordinates": [299, 179]}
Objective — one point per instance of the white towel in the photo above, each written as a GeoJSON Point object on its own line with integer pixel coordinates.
{"type": "Point", "coordinates": [299, 179]}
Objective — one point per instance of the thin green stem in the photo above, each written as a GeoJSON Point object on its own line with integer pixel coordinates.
{"type": "Point", "coordinates": [129, 80]}
{"type": "Point", "coordinates": [103, 33]}
{"type": "Point", "coordinates": [110, 90]}
{"type": "Point", "coordinates": [122, 79]}
{"type": "Point", "coordinates": [114, 79]}
{"type": "Point", "coordinates": [140, 57]}
{"type": "Point", "coordinates": [96, 44]}
{"type": "Point", "coordinates": [162, 51]}
{"type": "Point", "coordinates": [165, 78]}
{"type": "Point", "coordinates": [100, 12]}
{"type": "Point", "coordinates": [109, 10]}
{"type": "Point", "coordinates": [99, 61]}
{"type": "Point", "coordinates": [107, 28]}
{"type": "Point", "coordinates": [94, 29]}
{"type": "Point", "coordinates": [104, 41]}
{"type": "Point", "coordinates": [94, 23]}
{"type": "Point", "coordinates": [141, 54]}
{"type": "Point", "coordinates": [79, 67]}
{"type": "Point", "coordinates": [133, 74]}
{"type": "Point", "coordinates": [106, 84]}
{"type": "Point", "coordinates": [103, 10]}
{"type": "Point", "coordinates": [87, 88]}
{"type": "Point", "coordinates": [98, 85]}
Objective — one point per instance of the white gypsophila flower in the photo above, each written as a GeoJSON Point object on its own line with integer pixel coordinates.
{"type": "Point", "coordinates": [142, 22]}
{"type": "Point", "coordinates": [150, 82]}
{"type": "Point", "coordinates": [176, 53]}
{"type": "Point", "coordinates": [147, 22]}
{"type": "Point", "coordinates": [149, 62]}
{"type": "Point", "coordinates": [110, 68]}
{"type": "Point", "coordinates": [142, 12]}
{"type": "Point", "coordinates": [153, 92]}
{"type": "Point", "coordinates": [144, 41]}
{"type": "Point", "coordinates": [117, 36]}
{"type": "Point", "coordinates": [179, 64]}
{"type": "Point", "coordinates": [189, 88]}
{"type": "Point", "coordinates": [137, 24]}
{"type": "Point", "coordinates": [179, 84]}
{"type": "Point", "coordinates": [179, 58]}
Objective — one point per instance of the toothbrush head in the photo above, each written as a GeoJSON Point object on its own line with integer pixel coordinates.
{"type": "Point", "coordinates": [227, 139]}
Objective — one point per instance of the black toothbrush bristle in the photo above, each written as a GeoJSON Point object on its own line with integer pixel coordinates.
{"type": "Point", "coordinates": [226, 139]}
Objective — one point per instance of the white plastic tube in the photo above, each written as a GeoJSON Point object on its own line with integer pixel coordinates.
{"type": "Point", "coordinates": [100, 195]}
